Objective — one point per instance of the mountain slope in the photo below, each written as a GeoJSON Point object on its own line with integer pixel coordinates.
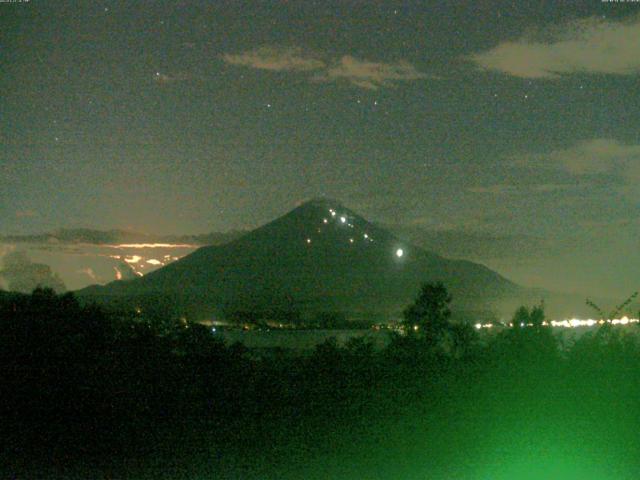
{"type": "Point", "coordinates": [319, 257]}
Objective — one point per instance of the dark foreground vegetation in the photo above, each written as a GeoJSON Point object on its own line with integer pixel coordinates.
{"type": "Point", "coordinates": [90, 395]}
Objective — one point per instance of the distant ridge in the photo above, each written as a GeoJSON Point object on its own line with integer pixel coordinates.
{"type": "Point", "coordinates": [319, 257]}
{"type": "Point", "coordinates": [109, 237]}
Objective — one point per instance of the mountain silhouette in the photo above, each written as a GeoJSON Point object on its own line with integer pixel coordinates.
{"type": "Point", "coordinates": [319, 257]}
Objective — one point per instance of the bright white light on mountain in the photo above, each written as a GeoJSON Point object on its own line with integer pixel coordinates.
{"type": "Point", "coordinates": [399, 253]}
{"type": "Point", "coordinates": [308, 240]}
{"type": "Point", "coordinates": [343, 219]}
{"type": "Point", "coordinates": [153, 261]}
{"type": "Point", "coordinates": [324, 220]}
{"type": "Point", "coordinates": [133, 259]}
{"type": "Point", "coordinates": [333, 214]}
{"type": "Point", "coordinates": [351, 240]}
{"type": "Point", "coordinates": [366, 236]}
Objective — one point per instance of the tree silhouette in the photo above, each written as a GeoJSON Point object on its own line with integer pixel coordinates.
{"type": "Point", "coordinates": [536, 315]}
{"type": "Point", "coordinates": [529, 337]}
{"type": "Point", "coordinates": [463, 340]}
{"type": "Point", "coordinates": [520, 317]}
{"type": "Point", "coordinates": [429, 316]}
{"type": "Point", "coordinates": [23, 275]}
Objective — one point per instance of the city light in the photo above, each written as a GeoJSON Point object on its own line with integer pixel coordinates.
{"type": "Point", "coordinates": [568, 323]}
{"type": "Point", "coordinates": [152, 245]}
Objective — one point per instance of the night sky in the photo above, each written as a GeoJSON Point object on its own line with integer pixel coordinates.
{"type": "Point", "coordinates": [515, 119]}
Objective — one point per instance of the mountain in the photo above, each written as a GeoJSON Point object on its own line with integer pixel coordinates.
{"type": "Point", "coordinates": [320, 257]}
{"type": "Point", "coordinates": [476, 245]}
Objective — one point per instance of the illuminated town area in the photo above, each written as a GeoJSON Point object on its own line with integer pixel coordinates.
{"type": "Point", "coordinates": [567, 323]}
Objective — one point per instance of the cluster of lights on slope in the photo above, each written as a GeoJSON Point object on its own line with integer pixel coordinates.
{"type": "Point", "coordinates": [344, 220]}
{"type": "Point", "coordinates": [568, 323]}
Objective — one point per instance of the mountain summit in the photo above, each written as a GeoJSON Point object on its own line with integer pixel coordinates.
{"type": "Point", "coordinates": [319, 257]}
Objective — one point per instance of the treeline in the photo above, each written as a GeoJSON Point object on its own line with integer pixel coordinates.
{"type": "Point", "coordinates": [87, 394]}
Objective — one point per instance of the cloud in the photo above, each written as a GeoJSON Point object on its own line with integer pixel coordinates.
{"type": "Point", "coordinates": [276, 59]}
{"type": "Point", "coordinates": [89, 272]}
{"type": "Point", "coordinates": [506, 189]}
{"type": "Point", "coordinates": [371, 75]}
{"type": "Point", "coordinates": [590, 45]}
{"type": "Point", "coordinates": [22, 275]}
{"type": "Point", "coordinates": [606, 224]}
{"type": "Point", "coordinates": [166, 79]}
{"type": "Point", "coordinates": [26, 214]}
{"type": "Point", "coordinates": [360, 73]}
{"type": "Point", "coordinates": [594, 162]}
{"type": "Point", "coordinates": [498, 189]}
{"type": "Point", "coordinates": [597, 156]}
{"type": "Point", "coordinates": [552, 187]}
